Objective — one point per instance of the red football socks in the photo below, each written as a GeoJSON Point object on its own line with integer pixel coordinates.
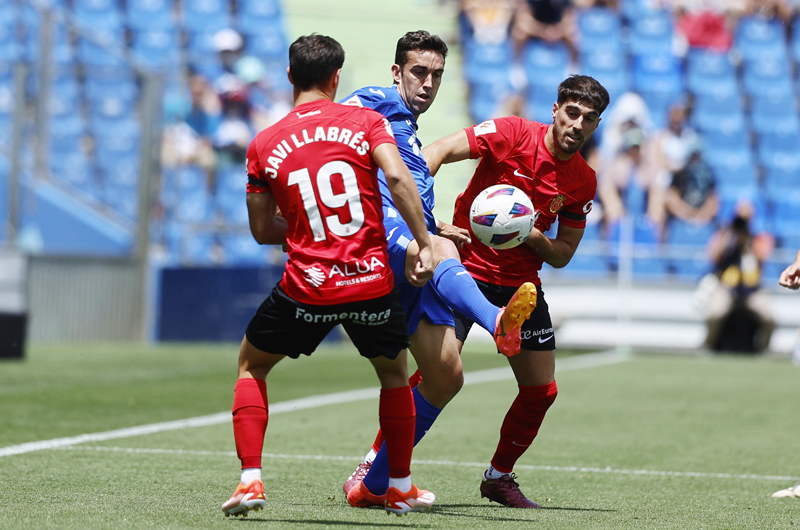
{"type": "Point", "coordinates": [413, 381]}
{"type": "Point", "coordinates": [522, 423]}
{"type": "Point", "coordinates": [250, 416]}
{"type": "Point", "coordinates": [397, 417]}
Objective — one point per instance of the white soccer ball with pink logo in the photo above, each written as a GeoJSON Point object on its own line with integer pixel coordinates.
{"type": "Point", "coordinates": [502, 216]}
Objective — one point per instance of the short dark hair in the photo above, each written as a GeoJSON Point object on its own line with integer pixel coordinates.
{"type": "Point", "coordinates": [313, 59]}
{"type": "Point", "coordinates": [583, 89]}
{"type": "Point", "coordinates": [415, 41]}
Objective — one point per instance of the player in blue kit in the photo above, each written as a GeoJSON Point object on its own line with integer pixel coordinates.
{"type": "Point", "coordinates": [417, 74]}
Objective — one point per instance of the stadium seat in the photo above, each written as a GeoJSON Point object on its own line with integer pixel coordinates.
{"type": "Point", "coordinates": [652, 33]}
{"type": "Point", "coordinates": [767, 77]}
{"type": "Point", "coordinates": [786, 214]}
{"type": "Point", "coordinates": [539, 104]}
{"type": "Point", "coordinates": [75, 169]}
{"type": "Point", "coordinates": [201, 55]}
{"type": "Point", "coordinates": [719, 146]}
{"type": "Point", "coordinates": [545, 65]}
{"type": "Point", "coordinates": [206, 16]}
{"type": "Point", "coordinates": [779, 179]}
{"type": "Point", "coordinates": [758, 38]}
{"type": "Point", "coordinates": [650, 268]}
{"type": "Point", "coordinates": [658, 105]}
{"type": "Point", "coordinates": [778, 150]}
{"type": "Point", "coordinates": [150, 15]}
{"type": "Point", "coordinates": [157, 47]}
{"type": "Point", "coordinates": [242, 249]}
{"type": "Point", "coordinates": [717, 113]}
{"type": "Point", "coordinates": [683, 233]}
{"type": "Point", "coordinates": [657, 74]}
{"type": "Point", "coordinates": [257, 18]}
{"type": "Point", "coordinates": [735, 172]}
{"type": "Point", "coordinates": [270, 43]}
{"type": "Point", "coordinates": [599, 28]}
{"type": "Point", "coordinates": [103, 83]}
{"type": "Point", "coordinates": [487, 61]}
{"type": "Point", "coordinates": [194, 207]}
{"type": "Point", "coordinates": [486, 100]}
{"type": "Point", "coordinates": [609, 68]}
{"type": "Point", "coordinates": [710, 73]}
{"type": "Point", "coordinates": [727, 207]}
{"type": "Point", "coordinates": [774, 114]}
{"type": "Point", "coordinates": [690, 269]}
{"type": "Point", "coordinates": [99, 15]}
{"type": "Point", "coordinates": [92, 54]}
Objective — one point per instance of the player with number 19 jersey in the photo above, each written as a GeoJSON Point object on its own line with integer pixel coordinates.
{"type": "Point", "coordinates": [317, 164]}
{"type": "Point", "coordinates": [513, 151]}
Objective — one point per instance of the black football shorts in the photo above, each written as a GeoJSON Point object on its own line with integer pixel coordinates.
{"type": "Point", "coordinates": [285, 326]}
{"type": "Point", "coordinates": [537, 332]}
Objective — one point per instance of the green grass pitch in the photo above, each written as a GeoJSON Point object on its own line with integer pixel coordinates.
{"type": "Point", "coordinates": [654, 441]}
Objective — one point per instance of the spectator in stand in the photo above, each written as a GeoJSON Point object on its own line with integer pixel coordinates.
{"type": "Point", "coordinates": [692, 196]}
{"type": "Point", "coordinates": [782, 9]}
{"type": "Point", "coordinates": [236, 128]}
{"type": "Point", "coordinates": [547, 20]}
{"type": "Point", "coordinates": [737, 256]}
{"type": "Point", "coordinates": [488, 21]}
{"type": "Point", "coordinates": [625, 181]}
{"type": "Point", "coordinates": [268, 104]}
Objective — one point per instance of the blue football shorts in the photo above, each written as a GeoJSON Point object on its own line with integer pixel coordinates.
{"type": "Point", "coordinates": [418, 303]}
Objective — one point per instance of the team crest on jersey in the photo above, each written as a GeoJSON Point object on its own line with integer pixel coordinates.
{"type": "Point", "coordinates": [556, 203]}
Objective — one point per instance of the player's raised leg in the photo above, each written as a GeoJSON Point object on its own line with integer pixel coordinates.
{"type": "Point", "coordinates": [250, 418]}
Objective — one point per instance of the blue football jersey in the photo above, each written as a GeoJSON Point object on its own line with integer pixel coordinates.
{"type": "Point", "coordinates": [387, 101]}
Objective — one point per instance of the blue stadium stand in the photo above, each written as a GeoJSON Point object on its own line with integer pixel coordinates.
{"type": "Point", "coordinates": [201, 55]}
{"type": "Point", "coordinates": [736, 173]}
{"type": "Point", "coordinates": [609, 68]}
{"type": "Point", "coordinates": [100, 15]}
{"type": "Point", "coordinates": [758, 38]}
{"type": "Point", "coordinates": [718, 113]}
{"type": "Point", "coordinates": [719, 146]}
{"type": "Point", "coordinates": [150, 15]}
{"type": "Point", "coordinates": [778, 150]}
{"type": "Point", "coordinates": [785, 216]}
{"type": "Point", "coordinates": [657, 74]}
{"type": "Point", "coordinates": [258, 18]}
{"type": "Point", "coordinates": [652, 33]}
{"type": "Point", "coordinates": [710, 74]}
{"type": "Point", "coordinates": [242, 250]}
{"type": "Point", "coordinates": [206, 16]}
{"type": "Point", "coordinates": [270, 44]}
{"type": "Point", "coordinates": [682, 233]}
{"type": "Point", "coordinates": [774, 114]}
{"type": "Point", "coordinates": [158, 48]}
{"type": "Point", "coordinates": [767, 77]}
{"type": "Point", "coordinates": [545, 64]}
{"type": "Point", "coordinates": [599, 28]}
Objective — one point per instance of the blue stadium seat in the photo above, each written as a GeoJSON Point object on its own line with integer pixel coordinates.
{"type": "Point", "coordinates": [681, 232]}
{"type": "Point", "coordinates": [194, 207]}
{"type": "Point", "coordinates": [486, 99]}
{"type": "Point", "coordinates": [658, 104]}
{"type": "Point", "coordinates": [779, 150]}
{"type": "Point", "coordinates": [657, 74]}
{"type": "Point", "coordinates": [271, 43]}
{"type": "Point", "coordinates": [768, 76]}
{"type": "Point", "coordinates": [198, 249]}
{"type": "Point", "coordinates": [599, 28]}
{"type": "Point", "coordinates": [74, 168]}
{"type": "Point", "coordinates": [123, 201]}
{"type": "Point", "coordinates": [690, 269]}
{"type": "Point", "coordinates": [539, 104]}
{"type": "Point", "coordinates": [545, 65]}
{"type": "Point", "coordinates": [719, 146]}
{"type": "Point", "coordinates": [650, 268]}
{"type": "Point", "coordinates": [487, 61]}
{"type": "Point", "coordinates": [62, 52]}
{"type": "Point", "coordinates": [206, 15]}
{"type": "Point", "coordinates": [151, 15]}
{"type": "Point", "coordinates": [255, 18]}
{"type": "Point", "coordinates": [710, 73]}
{"type": "Point", "coordinates": [780, 179]}
{"type": "Point", "coordinates": [723, 114]}
{"type": "Point", "coordinates": [92, 54]}
{"type": "Point", "coordinates": [728, 201]}
{"type": "Point", "coordinates": [758, 38]}
{"type": "Point", "coordinates": [157, 47]}
{"type": "Point", "coordinates": [786, 215]}
{"type": "Point", "coordinates": [103, 83]}
{"type": "Point", "coordinates": [609, 68]}
{"type": "Point", "coordinates": [652, 33]}
{"type": "Point", "coordinates": [242, 249]}
{"type": "Point", "coordinates": [735, 172]}
{"type": "Point", "coordinates": [100, 15]}
{"type": "Point", "coordinates": [66, 134]}
{"type": "Point", "coordinates": [774, 114]}
{"type": "Point", "coordinates": [201, 54]}
{"type": "Point", "coordinates": [10, 49]}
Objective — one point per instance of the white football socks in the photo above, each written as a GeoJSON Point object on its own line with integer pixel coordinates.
{"type": "Point", "coordinates": [250, 474]}
{"type": "Point", "coordinates": [370, 456]}
{"type": "Point", "coordinates": [493, 474]}
{"type": "Point", "coordinates": [402, 484]}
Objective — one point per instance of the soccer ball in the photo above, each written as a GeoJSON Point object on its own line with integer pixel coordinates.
{"type": "Point", "coordinates": [502, 216]}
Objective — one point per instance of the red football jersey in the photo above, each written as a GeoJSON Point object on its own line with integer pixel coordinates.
{"type": "Point", "coordinates": [317, 162]}
{"type": "Point", "coordinates": [512, 151]}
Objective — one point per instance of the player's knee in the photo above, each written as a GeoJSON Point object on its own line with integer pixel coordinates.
{"type": "Point", "coordinates": [445, 248]}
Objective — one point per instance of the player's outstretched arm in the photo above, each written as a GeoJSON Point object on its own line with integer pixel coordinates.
{"type": "Point", "coordinates": [790, 277]}
{"type": "Point", "coordinates": [559, 251]}
{"type": "Point", "coordinates": [266, 227]}
{"type": "Point", "coordinates": [452, 148]}
{"type": "Point", "coordinates": [407, 201]}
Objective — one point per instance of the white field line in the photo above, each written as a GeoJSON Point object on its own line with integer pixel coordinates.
{"type": "Point", "coordinates": [483, 376]}
{"type": "Point", "coordinates": [450, 463]}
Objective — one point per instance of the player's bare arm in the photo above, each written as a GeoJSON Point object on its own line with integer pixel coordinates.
{"type": "Point", "coordinates": [406, 198]}
{"type": "Point", "coordinates": [446, 150]}
{"type": "Point", "coordinates": [559, 251]}
{"type": "Point", "coordinates": [790, 277]}
{"type": "Point", "coordinates": [265, 225]}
